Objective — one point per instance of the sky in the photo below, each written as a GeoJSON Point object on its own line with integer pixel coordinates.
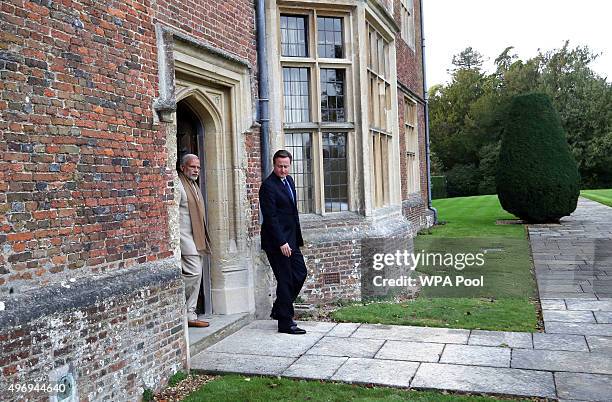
{"type": "Point", "coordinates": [489, 26]}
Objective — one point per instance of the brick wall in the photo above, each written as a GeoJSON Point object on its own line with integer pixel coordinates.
{"type": "Point", "coordinates": [117, 334]}
{"type": "Point", "coordinates": [334, 271]}
{"type": "Point", "coordinates": [339, 259]}
{"type": "Point", "coordinates": [84, 173]}
{"type": "Point", "coordinates": [410, 76]}
{"type": "Point", "coordinates": [253, 180]}
{"type": "Point", "coordinates": [409, 60]}
{"type": "Point", "coordinates": [84, 165]}
{"type": "Point", "coordinates": [228, 25]}
{"type": "Point", "coordinates": [85, 188]}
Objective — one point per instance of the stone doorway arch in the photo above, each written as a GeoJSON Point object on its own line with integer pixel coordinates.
{"type": "Point", "coordinates": [216, 87]}
{"type": "Point", "coordinates": [190, 134]}
{"type": "Point", "coordinates": [230, 287]}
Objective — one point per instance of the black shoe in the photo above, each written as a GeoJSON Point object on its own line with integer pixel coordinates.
{"type": "Point", "coordinates": [275, 317]}
{"type": "Point", "coordinates": [294, 330]}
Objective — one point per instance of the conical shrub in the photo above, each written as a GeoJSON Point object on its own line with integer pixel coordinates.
{"type": "Point", "coordinates": [537, 177]}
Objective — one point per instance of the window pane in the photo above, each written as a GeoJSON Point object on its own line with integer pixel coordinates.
{"type": "Point", "coordinates": [293, 36]}
{"type": "Point", "coordinates": [300, 146]}
{"type": "Point", "coordinates": [335, 172]}
{"type": "Point", "coordinates": [329, 31]}
{"type": "Point", "coordinates": [332, 95]}
{"type": "Point", "coordinates": [296, 94]}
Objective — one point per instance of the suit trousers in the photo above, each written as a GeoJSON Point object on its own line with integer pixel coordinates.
{"type": "Point", "coordinates": [192, 266]}
{"type": "Point", "coordinates": [290, 274]}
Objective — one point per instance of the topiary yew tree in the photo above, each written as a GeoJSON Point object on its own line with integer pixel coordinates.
{"type": "Point", "coordinates": [537, 176]}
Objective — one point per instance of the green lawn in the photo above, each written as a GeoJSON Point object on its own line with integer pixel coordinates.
{"type": "Point", "coordinates": [506, 272]}
{"type": "Point", "coordinates": [468, 313]}
{"type": "Point", "coordinates": [603, 196]}
{"type": "Point", "coordinates": [474, 217]}
{"type": "Point", "coordinates": [503, 303]}
{"type": "Point", "coordinates": [232, 388]}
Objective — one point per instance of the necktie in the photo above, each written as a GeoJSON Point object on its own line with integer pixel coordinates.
{"type": "Point", "coordinates": [288, 189]}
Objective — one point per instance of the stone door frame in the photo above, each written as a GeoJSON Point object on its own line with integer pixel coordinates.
{"type": "Point", "coordinates": [217, 87]}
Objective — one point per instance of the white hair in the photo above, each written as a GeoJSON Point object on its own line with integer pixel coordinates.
{"type": "Point", "coordinates": [186, 158]}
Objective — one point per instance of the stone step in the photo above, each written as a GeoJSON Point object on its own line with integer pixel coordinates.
{"type": "Point", "coordinates": [221, 326]}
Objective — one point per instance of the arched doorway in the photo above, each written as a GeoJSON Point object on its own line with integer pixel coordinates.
{"type": "Point", "coordinates": [190, 140]}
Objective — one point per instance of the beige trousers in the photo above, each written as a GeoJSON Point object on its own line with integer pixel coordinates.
{"type": "Point", "coordinates": [192, 277]}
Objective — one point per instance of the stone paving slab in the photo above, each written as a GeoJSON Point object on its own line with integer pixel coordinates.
{"type": "Point", "coordinates": [485, 379]}
{"type": "Point", "coordinates": [548, 288]}
{"type": "Point", "coordinates": [392, 373]}
{"type": "Point", "coordinates": [603, 317]}
{"type": "Point", "coordinates": [350, 347]}
{"type": "Point", "coordinates": [593, 305]}
{"type": "Point", "coordinates": [476, 355]}
{"type": "Point", "coordinates": [413, 351]}
{"type": "Point", "coordinates": [416, 334]}
{"type": "Point", "coordinates": [344, 329]}
{"type": "Point", "coordinates": [498, 338]}
{"type": "Point", "coordinates": [568, 316]}
{"type": "Point", "coordinates": [256, 341]}
{"type": "Point", "coordinates": [568, 277]}
{"type": "Point", "coordinates": [214, 362]}
{"type": "Point", "coordinates": [576, 298]}
{"type": "Point", "coordinates": [553, 304]}
{"type": "Point", "coordinates": [553, 360]}
{"type": "Point", "coordinates": [566, 295]}
{"type": "Point", "coordinates": [600, 344]}
{"type": "Point", "coordinates": [315, 367]}
{"type": "Point", "coordinates": [310, 326]}
{"type": "Point", "coordinates": [578, 328]}
{"type": "Point", "coordinates": [575, 343]}
{"type": "Point", "coordinates": [581, 386]}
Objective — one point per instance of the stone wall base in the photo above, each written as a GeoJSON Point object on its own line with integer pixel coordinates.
{"type": "Point", "coordinates": [109, 337]}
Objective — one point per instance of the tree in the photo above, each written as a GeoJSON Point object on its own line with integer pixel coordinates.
{"type": "Point", "coordinates": [462, 180]}
{"type": "Point", "coordinates": [505, 60]}
{"type": "Point", "coordinates": [449, 117]}
{"type": "Point", "coordinates": [467, 115]}
{"type": "Point", "coordinates": [537, 176]}
{"type": "Point", "coordinates": [468, 59]}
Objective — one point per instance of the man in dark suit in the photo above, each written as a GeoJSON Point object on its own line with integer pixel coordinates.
{"type": "Point", "coordinates": [281, 238]}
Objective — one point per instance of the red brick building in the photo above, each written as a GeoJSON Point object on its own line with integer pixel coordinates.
{"type": "Point", "coordinates": [96, 101]}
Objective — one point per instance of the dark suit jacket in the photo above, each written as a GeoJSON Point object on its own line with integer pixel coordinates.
{"type": "Point", "coordinates": [281, 222]}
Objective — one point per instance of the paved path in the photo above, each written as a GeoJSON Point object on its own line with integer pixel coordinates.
{"type": "Point", "coordinates": [572, 360]}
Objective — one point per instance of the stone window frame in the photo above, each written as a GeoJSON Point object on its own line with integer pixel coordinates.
{"type": "Point", "coordinates": [411, 140]}
{"type": "Point", "coordinates": [315, 126]}
{"type": "Point", "coordinates": [380, 113]}
{"type": "Point", "coordinates": [407, 22]}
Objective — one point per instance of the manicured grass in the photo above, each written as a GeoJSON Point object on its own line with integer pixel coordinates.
{"type": "Point", "coordinates": [232, 388]}
{"type": "Point", "coordinates": [469, 313]}
{"type": "Point", "coordinates": [506, 272]}
{"type": "Point", "coordinates": [502, 303]}
{"type": "Point", "coordinates": [603, 196]}
{"type": "Point", "coordinates": [474, 217]}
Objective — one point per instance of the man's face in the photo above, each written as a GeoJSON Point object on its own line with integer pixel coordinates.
{"type": "Point", "coordinates": [281, 167]}
{"type": "Point", "coordinates": [191, 169]}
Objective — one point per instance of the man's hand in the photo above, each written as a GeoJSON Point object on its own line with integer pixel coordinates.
{"type": "Point", "coordinates": [286, 250]}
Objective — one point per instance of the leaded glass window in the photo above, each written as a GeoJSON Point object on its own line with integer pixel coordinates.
{"type": "Point", "coordinates": [332, 95]}
{"type": "Point", "coordinates": [294, 35]}
{"type": "Point", "coordinates": [329, 32]}
{"type": "Point", "coordinates": [296, 94]}
{"type": "Point", "coordinates": [335, 172]}
{"type": "Point", "coordinates": [300, 146]}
